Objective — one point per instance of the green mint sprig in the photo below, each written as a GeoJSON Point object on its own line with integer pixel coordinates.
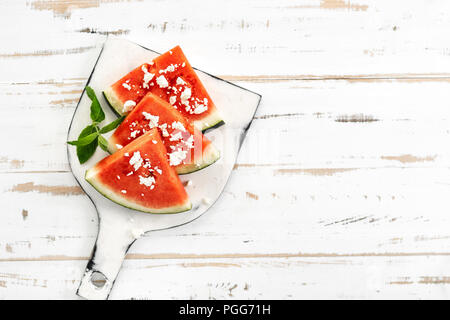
{"type": "Point", "coordinates": [91, 136]}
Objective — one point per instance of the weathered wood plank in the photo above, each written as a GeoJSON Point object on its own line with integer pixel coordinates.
{"type": "Point", "coordinates": [390, 211]}
{"type": "Point", "coordinates": [291, 38]}
{"type": "Point", "coordinates": [247, 278]}
{"type": "Point", "coordinates": [306, 125]}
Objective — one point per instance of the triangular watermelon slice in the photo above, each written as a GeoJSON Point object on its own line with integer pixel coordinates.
{"type": "Point", "coordinates": [139, 177]}
{"type": "Point", "coordinates": [170, 77]}
{"type": "Point", "coordinates": [187, 148]}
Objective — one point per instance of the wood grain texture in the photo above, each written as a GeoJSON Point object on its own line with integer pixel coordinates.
{"type": "Point", "coordinates": [340, 190]}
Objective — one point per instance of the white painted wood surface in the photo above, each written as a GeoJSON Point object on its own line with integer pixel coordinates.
{"type": "Point", "coordinates": [341, 189]}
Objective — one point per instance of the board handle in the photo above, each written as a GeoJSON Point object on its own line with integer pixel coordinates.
{"type": "Point", "coordinates": [112, 244]}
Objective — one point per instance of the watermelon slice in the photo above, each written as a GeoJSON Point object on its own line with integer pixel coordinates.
{"type": "Point", "coordinates": [139, 177]}
{"type": "Point", "coordinates": [188, 149]}
{"type": "Point", "coordinates": [171, 77]}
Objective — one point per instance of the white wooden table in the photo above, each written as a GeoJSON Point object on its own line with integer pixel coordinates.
{"type": "Point", "coordinates": [342, 189]}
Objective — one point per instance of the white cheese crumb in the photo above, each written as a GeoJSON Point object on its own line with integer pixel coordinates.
{"type": "Point", "coordinates": [154, 141]}
{"type": "Point", "coordinates": [128, 105]}
{"type": "Point", "coordinates": [118, 146]}
{"type": "Point", "coordinates": [180, 81]}
{"type": "Point", "coordinates": [162, 82]}
{"type": "Point", "coordinates": [178, 125]}
{"type": "Point", "coordinates": [126, 154]}
{"type": "Point", "coordinates": [170, 68]}
{"type": "Point", "coordinates": [163, 128]}
{"type": "Point", "coordinates": [185, 95]}
{"type": "Point", "coordinates": [172, 100]}
{"type": "Point", "coordinates": [152, 120]}
{"type": "Point", "coordinates": [137, 233]}
{"type": "Point", "coordinates": [134, 133]}
{"type": "Point", "coordinates": [147, 77]}
{"type": "Point", "coordinates": [189, 142]}
{"type": "Point", "coordinates": [118, 177]}
{"type": "Point", "coordinates": [136, 160]}
{"type": "Point", "coordinates": [147, 181]}
{"type": "Point", "coordinates": [200, 108]}
{"type": "Point", "coordinates": [177, 156]}
{"type": "Point", "coordinates": [129, 173]}
{"type": "Point", "coordinates": [183, 64]}
{"type": "Point", "coordinates": [175, 137]}
{"type": "Point", "coordinates": [158, 170]}
{"type": "Point", "coordinates": [126, 86]}
{"type": "Point", "coordinates": [123, 191]}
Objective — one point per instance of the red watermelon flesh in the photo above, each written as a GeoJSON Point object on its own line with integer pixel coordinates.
{"type": "Point", "coordinates": [139, 177]}
{"type": "Point", "coordinates": [187, 148]}
{"type": "Point", "coordinates": [171, 77]}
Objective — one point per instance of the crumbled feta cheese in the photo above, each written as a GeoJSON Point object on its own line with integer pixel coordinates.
{"type": "Point", "coordinates": [118, 177]}
{"type": "Point", "coordinates": [118, 146]}
{"type": "Point", "coordinates": [137, 233]}
{"type": "Point", "coordinates": [183, 64]}
{"type": "Point", "coordinates": [147, 77]}
{"type": "Point", "coordinates": [172, 100]}
{"type": "Point", "coordinates": [189, 142]}
{"type": "Point", "coordinates": [200, 108]}
{"type": "Point", "coordinates": [134, 133]}
{"type": "Point", "coordinates": [136, 160]}
{"type": "Point", "coordinates": [178, 125]}
{"type": "Point", "coordinates": [154, 141]}
{"type": "Point", "coordinates": [177, 156]}
{"type": "Point", "coordinates": [185, 95]}
{"type": "Point", "coordinates": [126, 154]}
{"type": "Point", "coordinates": [123, 191]}
{"type": "Point", "coordinates": [128, 105]}
{"type": "Point", "coordinates": [129, 173]}
{"type": "Point", "coordinates": [164, 131]}
{"type": "Point", "coordinates": [158, 170]}
{"type": "Point", "coordinates": [180, 81]}
{"type": "Point", "coordinates": [147, 181]}
{"type": "Point", "coordinates": [152, 120]}
{"type": "Point", "coordinates": [162, 82]}
{"type": "Point", "coordinates": [175, 137]}
{"type": "Point", "coordinates": [205, 101]}
{"type": "Point", "coordinates": [170, 68]}
{"type": "Point", "coordinates": [126, 86]}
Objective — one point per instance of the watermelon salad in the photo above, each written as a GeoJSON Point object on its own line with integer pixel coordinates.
{"type": "Point", "coordinates": [164, 108]}
{"type": "Point", "coordinates": [170, 77]}
{"type": "Point", "coordinates": [139, 177]}
{"type": "Point", "coordinates": [187, 148]}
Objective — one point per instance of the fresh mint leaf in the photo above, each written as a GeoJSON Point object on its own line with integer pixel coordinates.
{"type": "Point", "coordinates": [112, 125]}
{"type": "Point", "coordinates": [97, 114]}
{"type": "Point", "coordinates": [103, 143]}
{"type": "Point", "coordinates": [84, 141]}
{"type": "Point", "coordinates": [85, 152]}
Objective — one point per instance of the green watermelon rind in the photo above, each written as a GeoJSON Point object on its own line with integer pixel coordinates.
{"type": "Point", "coordinates": [90, 176]}
{"type": "Point", "coordinates": [214, 120]}
{"type": "Point", "coordinates": [115, 104]}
